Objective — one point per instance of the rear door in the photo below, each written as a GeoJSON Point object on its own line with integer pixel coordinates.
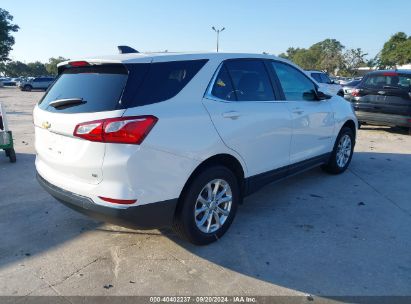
{"type": "Point", "coordinates": [246, 114]}
{"type": "Point", "coordinates": [99, 89]}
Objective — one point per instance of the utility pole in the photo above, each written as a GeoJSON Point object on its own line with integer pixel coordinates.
{"type": "Point", "coordinates": [218, 35]}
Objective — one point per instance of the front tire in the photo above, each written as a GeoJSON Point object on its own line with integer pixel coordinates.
{"type": "Point", "coordinates": [342, 153]}
{"type": "Point", "coordinates": [208, 207]}
{"type": "Point", "coordinates": [28, 88]}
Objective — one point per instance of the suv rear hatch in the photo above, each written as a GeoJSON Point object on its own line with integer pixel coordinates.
{"type": "Point", "coordinates": [386, 92]}
{"type": "Point", "coordinates": [83, 92]}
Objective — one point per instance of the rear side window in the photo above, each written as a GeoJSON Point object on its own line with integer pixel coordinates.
{"type": "Point", "coordinates": [162, 81]}
{"type": "Point", "coordinates": [250, 80]}
{"type": "Point", "coordinates": [223, 87]}
{"type": "Point", "coordinates": [100, 88]}
{"type": "Point", "coordinates": [296, 85]}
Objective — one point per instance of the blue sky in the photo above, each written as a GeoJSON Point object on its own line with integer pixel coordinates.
{"type": "Point", "coordinates": [95, 27]}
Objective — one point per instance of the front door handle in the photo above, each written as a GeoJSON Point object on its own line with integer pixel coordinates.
{"type": "Point", "coordinates": [231, 114]}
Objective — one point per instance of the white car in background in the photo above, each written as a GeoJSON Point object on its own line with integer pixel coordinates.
{"type": "Point", "coordinates": [325, 83]}
{"type": "Point", "coordinates": [154, 140]}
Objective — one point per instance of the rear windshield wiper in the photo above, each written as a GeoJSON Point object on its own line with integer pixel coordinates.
{"type": "Point", "coordinates": [66, 102]}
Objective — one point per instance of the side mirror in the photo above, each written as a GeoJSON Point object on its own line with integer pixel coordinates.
{"type": "Point", "coordinates": [322, 96]}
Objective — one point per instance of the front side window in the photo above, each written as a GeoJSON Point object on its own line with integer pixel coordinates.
{"type": "Point", "coordinates": [296, 86]}
{"type": "Point", "coordinates": [325, 78]}
{"type": "Point", "coordinates": [317, 77]}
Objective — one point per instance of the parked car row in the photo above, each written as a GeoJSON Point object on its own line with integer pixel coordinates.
{"type": "Point", "coordinates": [28, 83]}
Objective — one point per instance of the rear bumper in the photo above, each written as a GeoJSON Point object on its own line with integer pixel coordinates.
{"type": "Point", "coordinates": [384, 119]}
{"type": "Point", "coordinates": [149, 216]}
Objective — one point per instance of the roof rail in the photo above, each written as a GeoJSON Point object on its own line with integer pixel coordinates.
{"type": "Point", "coordinates": [124, 49]}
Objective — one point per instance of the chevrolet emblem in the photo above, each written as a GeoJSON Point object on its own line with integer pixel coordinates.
{"type": "Point", "coordinates": [46, 125]}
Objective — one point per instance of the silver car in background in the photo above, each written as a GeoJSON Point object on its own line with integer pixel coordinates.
{"type": "Point", "coordinates": [38, 83]}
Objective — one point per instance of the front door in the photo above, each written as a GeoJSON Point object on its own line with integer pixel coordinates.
{"type": "Point", "coordinates": [312, 119]}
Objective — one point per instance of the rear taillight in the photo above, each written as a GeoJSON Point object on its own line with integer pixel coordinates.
{"type": "Point", "coordinates": [355, 93]}
{"type": "Point", "coordinates": [122, 130]}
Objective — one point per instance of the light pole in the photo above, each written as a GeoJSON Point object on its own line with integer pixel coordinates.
{"type": "Point", "coordinates": [218, 34]}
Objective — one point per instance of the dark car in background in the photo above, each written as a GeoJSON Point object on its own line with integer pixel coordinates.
{"type": "Point", "coordinates": [348, 87]}
{"type": "Point", "coordinates": [384, 98]}
{"type": "Point", "coordinates": [37, 83]}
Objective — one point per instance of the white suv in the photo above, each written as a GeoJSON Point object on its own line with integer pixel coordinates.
{"type": "Point", "coordinates": [325, 83]}
{"type": "Point", "coordinates": [155, 140]}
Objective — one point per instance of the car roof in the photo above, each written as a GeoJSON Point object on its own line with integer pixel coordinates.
{"type": "Point", "coordinates": [168, 56]}
{"type": "Point", "coordinates": [314, 71]}
{"type": "Point", "coordinates": [390, 71]}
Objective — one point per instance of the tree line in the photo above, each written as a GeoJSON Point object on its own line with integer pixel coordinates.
{"type": "Point", "coordinates": [33, 69]}
{"type": "Point", "coordinates": [331, 56]}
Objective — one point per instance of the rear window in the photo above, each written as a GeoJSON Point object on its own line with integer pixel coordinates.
{"type": "Point", "coordinates": [381, 81]}
{"type": "Point", "coordinates": [115, 86]}
{"type": "Point", "coordinates": [100, 87]}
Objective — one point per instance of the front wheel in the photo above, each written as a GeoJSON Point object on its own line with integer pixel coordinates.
{"type": "Point", "coordinates": [208, 207]}
{"type": "Point", "coordinates": [342, 153]}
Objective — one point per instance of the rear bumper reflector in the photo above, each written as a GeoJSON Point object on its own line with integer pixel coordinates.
{"type": "Point", "coordinates": [117, 201]}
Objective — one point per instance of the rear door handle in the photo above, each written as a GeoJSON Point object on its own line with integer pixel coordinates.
{"type": "Point", "coordinates": [231, 114]}
{"type": "Point", "coordinates": [298, 111]}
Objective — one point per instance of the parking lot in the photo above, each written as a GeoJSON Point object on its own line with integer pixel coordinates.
{"type": "Point", "coordinates": [312, 234]}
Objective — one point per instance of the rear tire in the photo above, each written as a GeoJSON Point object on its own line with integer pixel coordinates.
{"type": "Point", "coordinates": [212, 195]}
{"type": "Point", "coordinates": [342, 153]}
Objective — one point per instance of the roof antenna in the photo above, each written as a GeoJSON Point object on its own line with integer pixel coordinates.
{"type": "Point", "coordinates": [124, 49]}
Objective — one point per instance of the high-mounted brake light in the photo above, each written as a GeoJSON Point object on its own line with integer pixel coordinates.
{"type": "Point", "coordinates": [390, 74]}
{"type": "Point", "coordinates": [78, 63]}
{"type": "Point", "coordinates": [117, 201]}
{"type": "Point", "coordinates": [122, 130]}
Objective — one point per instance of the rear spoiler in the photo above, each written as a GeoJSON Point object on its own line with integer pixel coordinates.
{"type": "Point", "coordinates": [82, 63]}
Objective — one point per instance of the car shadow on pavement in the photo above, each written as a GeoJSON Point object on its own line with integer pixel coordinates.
{"type": "Point", "coordinates": [324, 235]}
{"type": "Point", "coordinates": [328, 235]}
{"type": "Point", "coordinates": [393, 130]}
{"type": "Point", "coordinates": [31, 221]}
